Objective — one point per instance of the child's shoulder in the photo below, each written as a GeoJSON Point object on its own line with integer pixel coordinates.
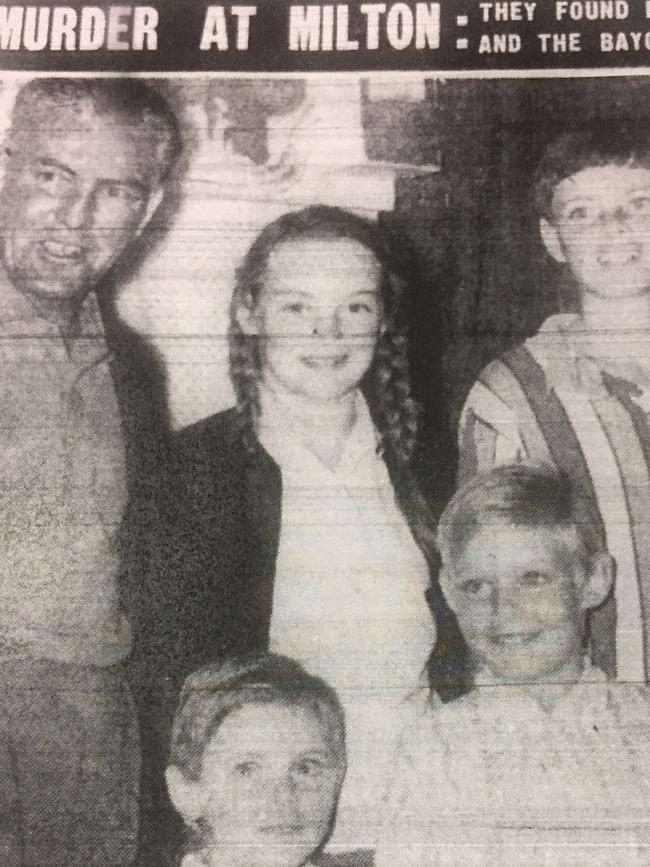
{"type": "Point", "coordinates": [629, 699]}
{"type": "Point", "coordinates": [434, 724]}
{"type": "Point", "coordinates": [536, 351]}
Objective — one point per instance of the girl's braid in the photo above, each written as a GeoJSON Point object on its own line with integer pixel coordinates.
{"type": "Point", "coordinates": [398, 412]}
{"type": "Point", "coordinates": [245, 373]}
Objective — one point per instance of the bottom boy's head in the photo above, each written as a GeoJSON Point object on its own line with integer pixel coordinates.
{"type": "Point", "coordinates": [593, 200]}
{"type": "Point", "coordinates": [257, 760]}
{"type": "Point", "coordinates": [520, 569]}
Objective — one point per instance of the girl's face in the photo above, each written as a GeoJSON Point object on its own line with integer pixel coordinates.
{"type": "Point", "coordinates": [319, 315]}
{"type": "Point", "coordinates": [269, 785]}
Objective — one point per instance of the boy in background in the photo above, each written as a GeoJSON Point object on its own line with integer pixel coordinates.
{"type": "Point", "coordinates": [576, 395]}
{"type": "Point", "coordinates": [543, 761]}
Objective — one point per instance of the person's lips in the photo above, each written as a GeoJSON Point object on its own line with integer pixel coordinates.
{"type": "Point", "coordinates": [616, 256]}
{"type": "Point", "coordinates": [513, 640]}
{"type": "Point", "coordinates": [62, 251]}
{"type": "Point", "coordinates": [283, 829]}
{"type": "Point", "coordinates": [325, 360]}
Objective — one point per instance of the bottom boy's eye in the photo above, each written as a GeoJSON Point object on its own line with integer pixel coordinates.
{"type": "Point", "coordinates": [535, 579]}
{"type": "Point", "coordinates": [309, 768]}
{"type": "Point", "coordinates": [476, 587]}
{"type": "Point", "coordinates": [245, 769]}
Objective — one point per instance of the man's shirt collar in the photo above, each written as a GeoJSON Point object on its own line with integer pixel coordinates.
{"type": "Point", "coordinates": [20, 318]}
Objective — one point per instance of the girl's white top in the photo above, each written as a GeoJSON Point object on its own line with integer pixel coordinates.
{"type": "Point", "coordinates": [349, 593]}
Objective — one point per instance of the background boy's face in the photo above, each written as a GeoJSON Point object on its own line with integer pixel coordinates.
{"type": "Point", "coordinates": [269, 786]}
{"type": "Point", "coordinates": [516, 592]}
{"type": "Point", "coordinates": [601, 229]}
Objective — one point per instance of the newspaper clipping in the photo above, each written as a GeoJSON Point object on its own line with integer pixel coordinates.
{"type": "Point", "coordinates": [325, 434]}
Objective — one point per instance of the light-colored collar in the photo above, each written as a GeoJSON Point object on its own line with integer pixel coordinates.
{"type": "Point", "coordinates": [571, 360]}
{"type": "Point", "coordinates": [19, 318]}
{"type": "Point", "coordinates": [552, 700]}
{"type": "Point", "coordinates": [283, 434]}
{"type": "Point", "coordinates": [590, 674]}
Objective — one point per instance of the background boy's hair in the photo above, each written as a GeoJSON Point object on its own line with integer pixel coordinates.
{"type": "Point", "coordinates": [522, 495]}
{"type": "Point", "coordinates": [598, 144]}
{"type": "Point", "coordinates": [215, 691]}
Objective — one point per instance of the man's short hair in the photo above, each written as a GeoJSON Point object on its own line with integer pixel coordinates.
{"type": "Point", "coordinates": [135, 102]}
{"type": "Point", "coordinates": [520, 495]}
{"type": "Point", "coordinates": [215, 691]}
{"type": "Point", "coordinates": [619, 144]}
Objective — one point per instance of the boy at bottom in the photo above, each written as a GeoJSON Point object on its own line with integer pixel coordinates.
{"type": "Point", "coordinates": [543, 761]}
{"type": "Point", "coordinates": [257, 762]}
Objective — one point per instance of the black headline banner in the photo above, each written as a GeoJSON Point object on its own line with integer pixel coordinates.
{"type": "Point", "coordinates": [285, 36]}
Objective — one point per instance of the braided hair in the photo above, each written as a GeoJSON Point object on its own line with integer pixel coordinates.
{"type": "Point", "coordinates": [386, 387]}
{"type": "Point", "coordinates": [386, 384]}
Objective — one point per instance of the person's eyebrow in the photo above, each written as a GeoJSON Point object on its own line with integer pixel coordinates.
{"type": "Point", "coordinates": [580, 197]}
{"type": "Point", "coordinates": [575, 202]}
{"type": "Point", "coordinates": [134, 183]}
{"type": "Point", "coordinates": [50, 163]}
{"type": "Point", "coordinates": [316, 752]}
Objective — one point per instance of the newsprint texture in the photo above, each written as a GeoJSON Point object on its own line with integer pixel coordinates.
{"type": "Point", "coordinates": [325, 434]}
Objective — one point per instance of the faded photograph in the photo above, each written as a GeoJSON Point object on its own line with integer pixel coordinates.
{"type": "Point", "coordinates": [326, 471]}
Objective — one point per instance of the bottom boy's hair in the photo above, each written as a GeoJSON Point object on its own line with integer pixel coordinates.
{"type": "Point", "coordinates": [523, 495]}
{"type": "Point", "coordinates": [215, 691]}
{"type": "Point", "coordinates": [602, 144]}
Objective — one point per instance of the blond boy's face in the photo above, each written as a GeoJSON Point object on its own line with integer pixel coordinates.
{"type": "Point", "coordinates": [520, 596]}
{"type": "Point", "coordinates": [600, 228]}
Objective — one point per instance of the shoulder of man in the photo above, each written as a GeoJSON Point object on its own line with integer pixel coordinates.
{"type": "Point", "coordinates": [138, 370]}
{"type": "Point", "coordinates": [216, 437]}
{"type": "Point", "coordinates": [211, 458]}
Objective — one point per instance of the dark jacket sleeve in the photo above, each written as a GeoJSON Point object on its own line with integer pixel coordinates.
{"type": "Point", "coordinates": [205, 569]}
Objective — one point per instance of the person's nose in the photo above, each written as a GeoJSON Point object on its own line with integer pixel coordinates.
{"type": "Point", "coordinates": [76, 210]}
{"type": "Point", "coordinates": [328, 324]}
{"type": "Point", "coordinates": [507, 603]}
{"type": "Point", "coordinates": [281, 799]}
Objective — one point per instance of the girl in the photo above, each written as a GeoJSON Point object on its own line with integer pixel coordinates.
{"type": "Point", "coordinates": [292, 522]}
{"type": "Point", "coordinates": [256, 764]}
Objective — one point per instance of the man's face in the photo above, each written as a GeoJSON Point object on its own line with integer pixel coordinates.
{"type": "Point", "coordinates": [601, 228]}
{"type": "Point", "coordinates": [517, 595]}
{"type": "Point", "coordinates": [75, 193]}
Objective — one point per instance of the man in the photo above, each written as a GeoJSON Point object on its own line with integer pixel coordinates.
{"type": "Point", "coordinates": [85, 165]}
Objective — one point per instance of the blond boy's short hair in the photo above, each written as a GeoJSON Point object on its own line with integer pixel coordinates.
{"type": "Point", "coordinates": [523, 495]}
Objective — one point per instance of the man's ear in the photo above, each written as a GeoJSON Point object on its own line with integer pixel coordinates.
{"type": "Point", "coordinates": [599, 582]}
{"type": "Point", "coordinates": [551, 240]}
{"type": "Point", "coordinates": [447, 586]}
{"type": "Point", "coordinates": [247, 320]}
{"type": "Point", "coordinates": [154, 200]}
{"type": "Point", "coordinates": [184, 794]}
